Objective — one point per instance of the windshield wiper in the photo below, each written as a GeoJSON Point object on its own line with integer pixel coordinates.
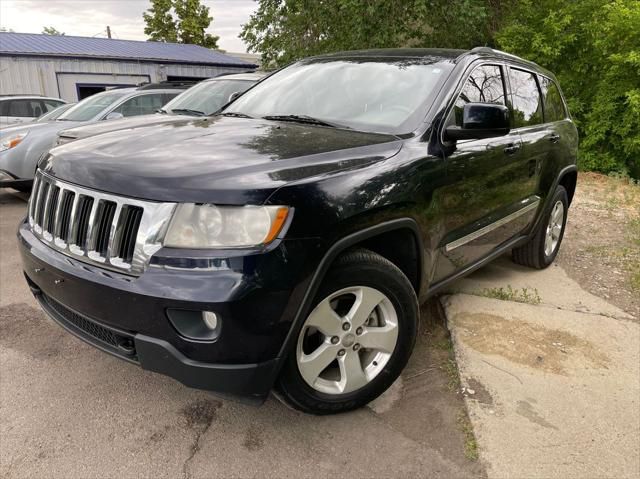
{"type": "Point", "coordinates": [188, 111]}
{"type": "Point", "coordinates": [235, 114]}
{"type": "Point", "coordinates": [305, 119]}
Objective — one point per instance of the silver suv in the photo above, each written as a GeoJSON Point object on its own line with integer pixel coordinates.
{"type": "Point", "coordinates": [22, 146]}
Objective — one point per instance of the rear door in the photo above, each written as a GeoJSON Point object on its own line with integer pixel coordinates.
{"type": "Point", "coordinates": [560, 130]}
{"type": "Point", "coordinates": [487, 200]}
{"type": "Point", "coordinates": [20, 110]}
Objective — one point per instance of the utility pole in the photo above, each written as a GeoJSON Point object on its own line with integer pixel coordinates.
{"type": "Point", "coordinates": [108, 31]}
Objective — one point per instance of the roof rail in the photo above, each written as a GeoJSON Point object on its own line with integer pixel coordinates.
{"type": "Point", "coordinates": [167, 85]}
{"type": "Point", "coordinates": [483, 50]}
{"type": "Point", "coordinates": [499, 52]}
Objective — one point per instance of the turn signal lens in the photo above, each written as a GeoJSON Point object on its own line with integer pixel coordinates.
{"type": "Point", "coordinates": [12, 142]}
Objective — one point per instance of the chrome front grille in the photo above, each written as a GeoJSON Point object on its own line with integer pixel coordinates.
{"type": "Point", "coordinates": [111, 231]}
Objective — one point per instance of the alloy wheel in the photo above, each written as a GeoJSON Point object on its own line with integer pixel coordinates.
{"type": "Point", "coordinates": [347, 340]}
{"type": "Point", "coordinates": [554, 229]}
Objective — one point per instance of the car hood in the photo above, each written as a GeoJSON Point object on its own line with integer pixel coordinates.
{"type": "Point", "coordinates": [215, 159]}
{"type": "Point", "coordinates": [99, 127]}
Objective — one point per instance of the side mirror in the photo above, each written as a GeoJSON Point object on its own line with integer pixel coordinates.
{"type": "Point", "coordinates": [233, 96]}
{"type": "Point", "coordinates": [480, 120]}
{"type": "Point", "coordinates": [114, 115]}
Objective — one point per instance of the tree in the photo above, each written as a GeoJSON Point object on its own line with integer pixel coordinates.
{"type": "Point", "coordinates": [593, 46]}
{"type": "Point", "coordinates": [189, 26]}
{"type": "Point", "coordinates": [160, 25]}
{"type": "Point", "coordinates": [285, 30]}
{"type": "Point", "coordinates": [193, 20]}
{"type": "Point", "coordinates": [51, 31]}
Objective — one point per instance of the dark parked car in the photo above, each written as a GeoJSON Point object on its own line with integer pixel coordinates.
{"type": "Point", "coordinates": [289, 241]}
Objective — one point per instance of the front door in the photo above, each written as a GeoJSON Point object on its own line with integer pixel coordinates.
{"type": "Point", "coordinates": [487, 200]}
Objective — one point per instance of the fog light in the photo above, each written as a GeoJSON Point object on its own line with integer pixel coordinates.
{"type": "Point", "coordinates": [196, 325]}
{"type": "Point", "coordinates": [210, 319]}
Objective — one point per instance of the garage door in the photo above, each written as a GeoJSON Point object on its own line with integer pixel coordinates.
{"type": "Point", "coordinates": [75, 86]}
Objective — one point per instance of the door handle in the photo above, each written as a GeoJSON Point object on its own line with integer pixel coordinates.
{"type": "Point", "coordinates": [554, 138]}
{"type": "Point", "coordinates": [511, 149]}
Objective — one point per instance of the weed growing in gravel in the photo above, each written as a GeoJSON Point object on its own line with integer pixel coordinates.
{"type": "Point", "coordinates": [523, 295]}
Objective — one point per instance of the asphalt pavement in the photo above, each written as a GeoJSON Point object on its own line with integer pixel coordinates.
{"type": "Point", "coordinates": [68, 410]}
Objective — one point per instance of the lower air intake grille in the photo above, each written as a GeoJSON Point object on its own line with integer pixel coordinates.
{"type": "Point", "coordinates": [116, 342]}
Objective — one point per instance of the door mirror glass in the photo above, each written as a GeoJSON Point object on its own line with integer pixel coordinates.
{"type": "Point", "coordinates": [480, 120]}
{"type": "Point", "coordinates": [114, 115]}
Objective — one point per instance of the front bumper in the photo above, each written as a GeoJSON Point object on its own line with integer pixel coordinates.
{"type": "Point", "coordinates": [7, 180]}
{"type": "Point", "coordinates": [127, 316]}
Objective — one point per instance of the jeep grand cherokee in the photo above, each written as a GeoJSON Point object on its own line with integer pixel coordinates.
{"type": "Point", "coordinates": [287, 243]}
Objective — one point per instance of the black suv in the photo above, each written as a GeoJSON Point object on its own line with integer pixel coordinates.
{"type": "Point", "coordinates": [288, 242]}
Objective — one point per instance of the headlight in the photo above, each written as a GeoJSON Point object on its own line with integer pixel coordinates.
{"type": "Point", "coordinates": [210, 226]}
{"type": "Point", "coordinates": [12, 141]}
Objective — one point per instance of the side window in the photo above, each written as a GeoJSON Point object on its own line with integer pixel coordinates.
{"type": "Point", "coordinates": [50, 105]}
{"type": "Point", "coordinates": [554, 109]}
{"type": "Point", "coordinates": [167, 97]}
{"type": "Point", "coordinates": [141, 105]}
{"type": "Point", "coordinates": [484, 85]}
{"type": "Point", "coordinates": [4, 108]}
{"type": "Point", "coordinates": [21, 108]}
{"type": "Point", "coordinates": [527, 104]}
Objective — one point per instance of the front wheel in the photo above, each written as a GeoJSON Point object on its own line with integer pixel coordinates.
{"type": "Point", "coordinates": [356, 340]}
{"type": "Point", "coordinates": [543, 248]}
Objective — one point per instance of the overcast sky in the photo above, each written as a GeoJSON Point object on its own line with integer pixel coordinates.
{"type": "Point", "coordinates": [90, 18]}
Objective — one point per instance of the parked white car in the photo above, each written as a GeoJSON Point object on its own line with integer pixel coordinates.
{"type": "Point", "coordinates": [17, 109]}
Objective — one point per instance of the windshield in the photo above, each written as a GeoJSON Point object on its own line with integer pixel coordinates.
{"type": "Point", "coordinates": [378, 95]}
{"type": "Point", "coordinates": [53, 114]}
{"type": "Point", "coordinates": [88, 108]}
{"type": "Point", "coordinates": [206, 97]}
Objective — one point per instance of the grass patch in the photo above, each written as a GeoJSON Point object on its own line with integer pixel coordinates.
{"type": "Point", "coordinates": [450, 367]}
{"type": "Point", "coordinates": [470, 443]}
{"type": "Point", "coordinates": [524, 295]}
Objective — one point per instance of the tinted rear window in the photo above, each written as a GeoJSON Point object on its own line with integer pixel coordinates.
{"type": "Point", "coordinates": [527, 104]}
{"type": "Point", "coordinates": [554, 109]}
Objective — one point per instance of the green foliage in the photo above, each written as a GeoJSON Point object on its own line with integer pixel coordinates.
{"type": "Point", "coordinates": [51, 31]}
{"type": "Point", "coordinates": [593, 46]}
{"type": "Point", "coordinates": [192, 20]}
{"type": "Point", "coordinates": [286, 30]}
{"type": "Point", "coordinates": [159, 23]}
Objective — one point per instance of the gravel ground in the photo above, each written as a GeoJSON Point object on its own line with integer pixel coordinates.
{"type": "Point", "coordinates": [601, 246]}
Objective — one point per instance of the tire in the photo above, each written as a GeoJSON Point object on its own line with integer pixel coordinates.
{"type": "Point", "coordinates": [358, 278]}
{"type": "Point", "coordinates": [541, 250]}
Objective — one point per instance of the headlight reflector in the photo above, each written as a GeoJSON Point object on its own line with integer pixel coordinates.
{"type": "Point", "coordinates": [12, 141]}
{"type": "Point", "coordinates": [211, 226]}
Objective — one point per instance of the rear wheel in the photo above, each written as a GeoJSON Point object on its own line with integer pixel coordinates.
{"type": "Point", "coordinates": [543, 248]}
{"type": "Point", "coordinates": [356, 340]}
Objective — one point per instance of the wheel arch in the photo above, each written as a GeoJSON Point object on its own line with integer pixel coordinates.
{"type": "Point", "coordinates": [566, 177]}
{"type": "Point", "coordinates": [404, 229]}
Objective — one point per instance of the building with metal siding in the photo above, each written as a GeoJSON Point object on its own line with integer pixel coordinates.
{"type": "Point", "coordinates": [73, 67]}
